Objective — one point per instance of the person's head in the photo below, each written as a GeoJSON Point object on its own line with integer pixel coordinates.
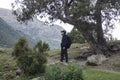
{"type": "Point", "coordinates": [63, 32]}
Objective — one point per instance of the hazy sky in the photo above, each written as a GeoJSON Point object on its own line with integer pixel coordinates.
{"type": "Point", "coordinates": [7, 4]}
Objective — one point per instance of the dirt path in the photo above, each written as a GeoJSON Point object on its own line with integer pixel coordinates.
{"type": "Point", "coordinates": [51, 60]}
{"type": "Point", "coordinates": [109, 71]}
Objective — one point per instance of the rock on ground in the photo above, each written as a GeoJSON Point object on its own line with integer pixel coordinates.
{"type": "Point", "coordinates": [96, 60]}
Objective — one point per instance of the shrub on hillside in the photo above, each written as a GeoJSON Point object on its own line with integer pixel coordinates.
{"type": "Point", "coordinates": [41, 47]}
{"type": "Point", "coordinates": [28, 60]}
{"type": "Point", "coordinates": [53, 72]}
{"type": "Point", "coordinates": [20, 48]}
{"type": "Point", "coordinates": [8, 76]}
{"type": "Point", "coordinates": [70, 72]}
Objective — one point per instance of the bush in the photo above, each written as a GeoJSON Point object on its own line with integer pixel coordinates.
{"type": "Point", "coordinates": [8, 76]}
{"type": "Point", "coordinates": [53, 72]}
{"type": "Point", "coordinates": [70, 72]}
{"type": "Point", "coordinates": [28, 60]}
{"type": "Point", "coordinates": [41, 47]}
{"type": "Point", "coordinates": [21, 48]}
{"type": "Point", "coordinates": [32, 63]}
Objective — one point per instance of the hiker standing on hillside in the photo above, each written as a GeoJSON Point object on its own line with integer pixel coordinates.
{"type": "Point", "coordinates": [65, 44]}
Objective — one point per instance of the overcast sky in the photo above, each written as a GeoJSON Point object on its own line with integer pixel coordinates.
{"type": "Point", "coordinates": [7, 4]}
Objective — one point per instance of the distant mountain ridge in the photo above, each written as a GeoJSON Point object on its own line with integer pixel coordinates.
{"type": "Point", "coordinates": [36, 29]}
{"type": "Point", "coordinates": [8, 35]}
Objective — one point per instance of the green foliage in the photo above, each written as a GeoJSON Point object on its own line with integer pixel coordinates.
{"type": "Point", "coordinates": [32, 63]}
{"type": "Point", "coordinates": [7, 64]}
{"type": "Point", "coordinates": [42, 46]}
{"type": "Point", "coordinates": [72, 72]}
{"type": "Point", "coordinates": [87, 16]}
{"type": "Point", "coordinates": [89, 73]}
{"type": "Point", "coordinates": [9, 76]}
{"type": "Point", "coordinates": [69, 72]}
{"type": "Point", "coordinates": [76, 36]}
{"type": "Point", "coordinates": [28, 60]}
{"type": "Point", "coordinates": [21, 47]}
{"type": "Point", "coordinates": [53, 72]}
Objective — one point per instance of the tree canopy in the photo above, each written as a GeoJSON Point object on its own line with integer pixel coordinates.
{"type": "Point", "coordinates": [88, 16]}
{"type": "Point", "coordinates": [76, 36]}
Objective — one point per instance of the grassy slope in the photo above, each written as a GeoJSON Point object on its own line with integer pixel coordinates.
{"type": "Point", "coordinates": [7, 64]}
{"type": "Point", "coordinates": [73, 51]}
{"type": "Point", "coordinates": [89, 74]}
{"type": "Point", "coordinates": [6, 58]}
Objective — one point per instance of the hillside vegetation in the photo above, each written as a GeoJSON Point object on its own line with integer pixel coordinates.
{"type": "Point", "coordinates": [9, 67]}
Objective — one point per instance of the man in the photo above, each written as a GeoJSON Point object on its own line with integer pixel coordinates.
{"type": "Point", "coordinates": [64, 47]}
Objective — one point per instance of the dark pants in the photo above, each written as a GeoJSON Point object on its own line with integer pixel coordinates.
{"type": "Point", "coordinates": [64, 55]}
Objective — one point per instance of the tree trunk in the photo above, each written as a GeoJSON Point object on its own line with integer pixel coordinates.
{"type": "Point", "coordinates": [95, 45]}
{"type": "Point", "coordinates": [101, 41]}
{"type": "Point", "coordinates": [99, 29]}
{"type": "Point", "coordinates": [96, 40]}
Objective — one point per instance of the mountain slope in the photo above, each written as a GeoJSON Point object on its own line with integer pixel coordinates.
{"type": "Point", "coordinates": [36, 29]}
{"type": "Point", "coordinates": [8, 35]}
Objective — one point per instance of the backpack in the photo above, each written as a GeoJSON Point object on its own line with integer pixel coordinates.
{"type": "Point", "coordinates": [69, 42]}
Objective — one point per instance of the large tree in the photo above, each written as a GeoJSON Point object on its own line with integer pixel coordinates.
{"type": "Point", "coordinates": [87, 16]}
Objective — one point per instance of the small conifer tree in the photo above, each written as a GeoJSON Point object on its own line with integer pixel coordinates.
{"type": "Point", "coordinates": [27, 59]}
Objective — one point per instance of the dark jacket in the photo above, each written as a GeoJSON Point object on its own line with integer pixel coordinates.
{"type": "Point", "coordinates": [64, 41]}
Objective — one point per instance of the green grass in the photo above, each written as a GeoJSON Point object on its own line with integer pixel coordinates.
{"type": "Point", "coordinates": [78, 45]}
{"type": "Point", "coordinates": [90, 74]}
{"type": "Point", "coordinates": [6, 59]}
{"type": "Point", "coordinates": [7, 64]}
{"type": "Point", "coordinates": [73, 51]}
{"type": "Point", "coordinates": [53, 52]}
